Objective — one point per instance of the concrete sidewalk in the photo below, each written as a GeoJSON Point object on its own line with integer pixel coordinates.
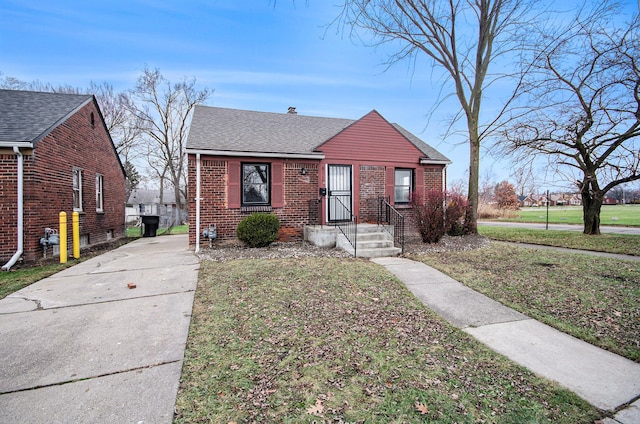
{"type": "Point", "coordinates": [82, 347]}
{"type": "Point", "coordinates": [607, 381]}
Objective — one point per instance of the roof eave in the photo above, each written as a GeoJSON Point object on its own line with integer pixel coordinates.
{"type": "Point", "coordinates": [428, 161]}
{"type": "Point", "coordinates": [22, 144]}
{"type": "Point", "coordinates": [231, 153]}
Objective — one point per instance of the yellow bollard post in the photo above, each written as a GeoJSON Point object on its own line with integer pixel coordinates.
{"type": "Point", "coordinates": [63, 237]}
{"type": "Point", "coordinates": [75, 222]}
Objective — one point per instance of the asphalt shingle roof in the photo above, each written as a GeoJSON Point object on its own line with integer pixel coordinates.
{"type": "Point", "coordinates": [27, 116]}
{"type": "Point", "coordinates": [234, 130]}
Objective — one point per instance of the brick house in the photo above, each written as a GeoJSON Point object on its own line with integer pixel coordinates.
{"type": "Point", "coordinates": [292, 165]}
{"type": "Point", "coordinates": [56, 155]}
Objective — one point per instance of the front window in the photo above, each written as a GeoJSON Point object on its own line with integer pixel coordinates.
{"type": "Point", "coordinates": [99, 189]}
{"type": "Point", "coordinates": [77, 189]}
{"type": "Point", "coordinates": [255, 184]}
{"type": "Point", "coordinates": [403, 185]}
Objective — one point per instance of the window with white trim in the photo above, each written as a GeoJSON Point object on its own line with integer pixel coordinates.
{"type": "Point", "coordinates": [77, 189]}
{"type": "Point", "coordinates": [99, 193]}
{"type": "Point", "coordinates": [403, 186]}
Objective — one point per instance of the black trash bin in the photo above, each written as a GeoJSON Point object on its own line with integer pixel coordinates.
{"type": "Point", "coordinates": [150, 223]}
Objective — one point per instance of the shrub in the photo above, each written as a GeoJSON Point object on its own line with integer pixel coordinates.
{"type": "Point", "coordinates": [455, 214]}
{"type": "Point", "coordinates": [429, 216]}
{"type": "Point", "coordinates": [258, 229]}
{"type": "Point", "coordinates": [439, 214]}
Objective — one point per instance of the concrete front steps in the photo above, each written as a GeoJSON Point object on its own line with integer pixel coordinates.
{"type": "Point", "coordinates": [373, 241]}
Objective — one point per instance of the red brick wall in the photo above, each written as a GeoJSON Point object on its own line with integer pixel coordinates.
{"type": "Point", "coordinates": [433, 177]}
{"type": "Point", "coordinates": [293, 215]}
{"type": "Point", "coordinates": [372, 187]}
{"type": "Point", "coordinates": [48, 185]}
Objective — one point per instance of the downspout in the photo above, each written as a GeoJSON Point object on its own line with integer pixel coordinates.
{"type": "Point", "coordinates": [18, 253]}
{"type": "Point", "coordinates": [197, 202]}
{"type": "Point", "coordinates": [444, 178]}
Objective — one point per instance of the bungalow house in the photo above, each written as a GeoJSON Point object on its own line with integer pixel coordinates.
{"type": "Point", "coordinates": [527, 201]}
{"type": "Point", "coordinates": [56, 155]}
{"type": "Point", "coordinates": [305, 169]}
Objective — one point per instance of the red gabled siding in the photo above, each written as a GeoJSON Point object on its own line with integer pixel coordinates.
{"type": "Point", "coordinates": [371, 139]}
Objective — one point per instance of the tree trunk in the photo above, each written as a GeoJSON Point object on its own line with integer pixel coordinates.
{"type": "Point", "coordinates": [471, 221]}
{"type": "Point", "coordinates": [591, 206]}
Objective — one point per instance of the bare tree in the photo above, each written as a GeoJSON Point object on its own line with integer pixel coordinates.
{"type": "Point", "coordinates": [114, 106]}
{"type": "Point", "coordinates": [461, 38]}
{"type": "Point", "coordinates": [121, 123]}
{"type": "Point", "coordinates": [525, 179]}
{"type": "Point", "coordinates": [163, 110]}
{"type": "Point", "coordinates": [583, 99]}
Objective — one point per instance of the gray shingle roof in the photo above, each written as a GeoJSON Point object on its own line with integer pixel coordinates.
{"type": "Point", "coordinates": [221, 129]}
{"type": "Point", "coordinates": [148, 197]}
{"type": "Point", "coordinates": [28, 116]}
{"type": "Point", "coordinates": [429, 151]}
{"type": "Point", "coordinates": [233, 130]}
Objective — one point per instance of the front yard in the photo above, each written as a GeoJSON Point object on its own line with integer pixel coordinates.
{"type": "Point", "coordinates": [341, 340]}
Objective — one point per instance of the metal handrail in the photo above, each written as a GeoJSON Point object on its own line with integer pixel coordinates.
{"type": "Point", "coordinates": [348, 228]}
{"type": "Point", "coordinates": [390, 216]}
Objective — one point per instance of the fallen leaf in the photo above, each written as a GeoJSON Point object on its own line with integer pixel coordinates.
{"type": "Point", "coordinates": [617, 313]}
{"type": "Point", "coordinates": [422, 408]}
{"type": "Point", "coordinates": [316, 409]}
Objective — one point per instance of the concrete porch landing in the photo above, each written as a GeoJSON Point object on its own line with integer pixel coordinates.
{"type": "Point", "coordinates": [373, 241]}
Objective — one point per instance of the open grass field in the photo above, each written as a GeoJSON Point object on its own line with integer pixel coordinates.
{"type": "Point", "coordinates": [626, 215]}
{"type": "Point", "coordinates": [624, 244]}
{"type": "Point", "coordinates": [341, 340]}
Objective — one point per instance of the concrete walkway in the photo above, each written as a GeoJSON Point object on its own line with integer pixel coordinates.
{"type": "Point", "coordinates": [607, 381]}
{"type": "Point", "coordinates": [83, 347]}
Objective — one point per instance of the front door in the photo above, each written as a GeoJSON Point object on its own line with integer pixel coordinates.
{"type": "Point", "coordinates": [340, 194]}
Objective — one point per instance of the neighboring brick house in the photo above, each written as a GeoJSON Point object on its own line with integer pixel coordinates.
{"type": "Point", "coordinates": [69, 163]}
{"type": "Point", "coordinates": [245, 161]}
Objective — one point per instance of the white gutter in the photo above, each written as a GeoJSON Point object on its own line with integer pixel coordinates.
{"type": "Point", "coordinates": [18, 253]}
{"type": "Point", "coordinates": [317, 156]}
{"type": "Point", "coordinates": [197, 202]}
{"type": "Point", "coordinates": [25, 144]}
{"type": "Point", "coordinates": [426, 161]}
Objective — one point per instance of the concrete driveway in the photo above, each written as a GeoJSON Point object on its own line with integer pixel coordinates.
{"type": "Point", "coordinates": [83, 347]}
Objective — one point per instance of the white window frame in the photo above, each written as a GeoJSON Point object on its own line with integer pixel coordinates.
{"type": "Point", "coordinates": [99, 193]}
{"type": "Point", "coordinates": [409, 188]}
{"type": "Point", "coordinates": [77, 189]}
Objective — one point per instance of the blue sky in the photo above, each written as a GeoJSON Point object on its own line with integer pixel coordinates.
{"type": "Point", "coordinates": [253, 55]}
